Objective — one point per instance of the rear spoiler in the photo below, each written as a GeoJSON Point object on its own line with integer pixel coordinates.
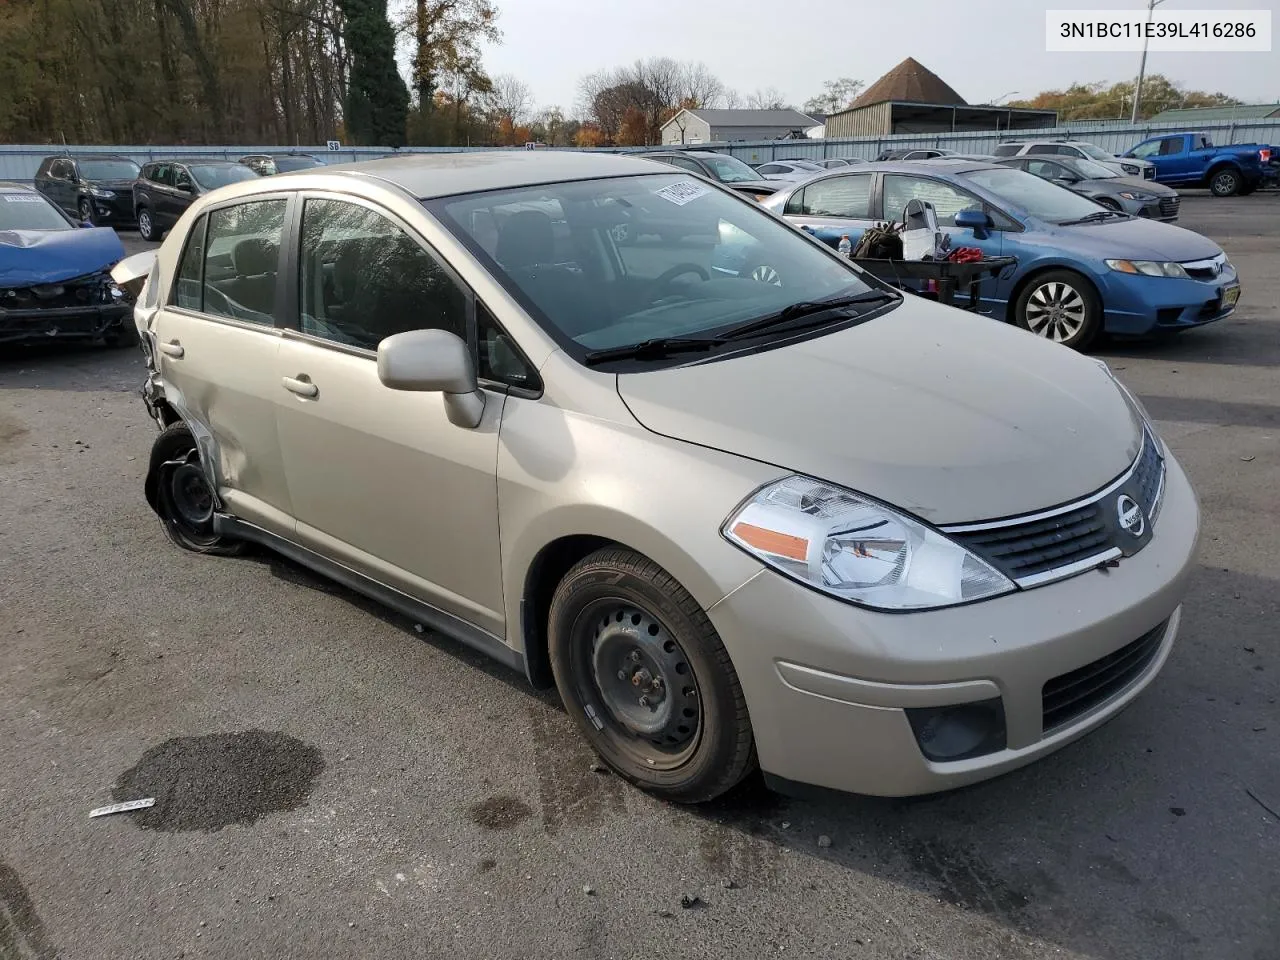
{"type": "Point", "coordinates": [131, 273]}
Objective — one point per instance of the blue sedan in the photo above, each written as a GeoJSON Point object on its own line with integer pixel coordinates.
{"type": "Point", "coordinates": [1082, 268]}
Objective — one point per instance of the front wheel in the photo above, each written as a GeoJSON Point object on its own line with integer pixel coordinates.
{"type": "Point", "coordinates": [147, 225]}
{"type": "Point", "coordinates": [1060, 305]}
{"type": "Point", "coordinates": [647, 679]}
{"type": "Point", "coordinates": [86, 211]}
{"type": "Point", "coordinates": [1225, 183]}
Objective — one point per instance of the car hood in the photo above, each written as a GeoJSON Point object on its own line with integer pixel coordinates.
{"type": "Point", "coordinates": [1116, 184]}
{"type": "Point", "coordinates": [951, 417]}
{"type": "Point", "coordinates": [1134, 239]}
{"type": "Point", "coordinates": [32, 257]}
{"type": "Point", "coordinates": [123, 185]}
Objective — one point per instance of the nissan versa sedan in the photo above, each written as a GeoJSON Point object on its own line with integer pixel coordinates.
{"type": "Point", "coordinates": [866, 541]}
{"type": "Point", "coordinates": [1082, 268]}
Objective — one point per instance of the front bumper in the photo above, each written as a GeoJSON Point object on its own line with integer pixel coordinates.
{"type": "Point", "coordinates": [1140, 305]}
{"type": "Point", "coordinates": [113, 210]}
{"type": "Point", "coordinates": [63, 323]}
{"type": "Point", "coordinates": [828, 685]}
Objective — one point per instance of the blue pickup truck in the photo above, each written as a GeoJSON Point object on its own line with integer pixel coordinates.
{"type": "Point", "coordinates": [1191, 160]}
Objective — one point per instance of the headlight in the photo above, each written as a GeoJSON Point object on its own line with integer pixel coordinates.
{"type": "Point", "coordinates": [857, 549]}
{"type": "Point", "coordinates": [101, 194]}
{"type": "Point", "coordinates": [1143, 197]}
{"type": "Point", "coordinates": [1149, 268]}
{"type": "Point", "coordinates": [1130, 169]}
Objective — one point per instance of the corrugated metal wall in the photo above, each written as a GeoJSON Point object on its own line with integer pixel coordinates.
{"type": "Point", "coordinates": [867, 122]}
{"type": "Point", "coordinates": [20, 162]}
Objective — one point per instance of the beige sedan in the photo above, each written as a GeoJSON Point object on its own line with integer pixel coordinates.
{"type": "Point", "coordinates": [859, 539]}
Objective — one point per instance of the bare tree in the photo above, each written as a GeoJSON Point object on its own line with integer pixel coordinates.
{"type": "Point", "coordinates": [699, 87]}
{"type": "Point", "coordinates": [770, 98]}
{"type": "Point", "coordinates": [509, 99]}
{"type": "Point", "coordinates": [836, 95]}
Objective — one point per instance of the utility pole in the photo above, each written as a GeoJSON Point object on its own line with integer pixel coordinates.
{"type": "Point", "coordinates": [1142, 66]}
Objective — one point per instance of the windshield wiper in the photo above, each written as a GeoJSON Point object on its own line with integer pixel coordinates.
{"type": "Point", "coordinates": [807, 308]}
{"type": "Point", "coordinates": [1093, 217]}
{"type": "Point", "coordinates": [653, 349]}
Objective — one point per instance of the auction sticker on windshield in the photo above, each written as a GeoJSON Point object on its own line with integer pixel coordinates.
{"type": "Point", "coordinates": [22, 198]}
{"type": "Point", "coordinates": [682, 192]}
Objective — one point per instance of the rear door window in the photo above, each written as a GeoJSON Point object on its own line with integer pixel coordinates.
{"type": "Point", "coordinates": [186, 290]}
{"type": "Point", "coordinates": [1008, 149]}
{"type": "Point", "coordinates": [1171, 145]}
{"type": "Point", "coordinates": [241, 261]}
{"type": "Point", "coordinates": [847, 197]}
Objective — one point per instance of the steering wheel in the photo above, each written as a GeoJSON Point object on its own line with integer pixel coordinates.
{"type": "Point", "coordinates": [679, 270]}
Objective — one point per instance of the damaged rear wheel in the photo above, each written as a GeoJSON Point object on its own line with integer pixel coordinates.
{"type": "Point", "coordinates": [179, 491]}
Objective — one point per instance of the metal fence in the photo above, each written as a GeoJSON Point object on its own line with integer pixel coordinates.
{"type": "Point", "coordinates": [20, 162]}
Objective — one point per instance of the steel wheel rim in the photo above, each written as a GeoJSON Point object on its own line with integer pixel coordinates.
{"type": "Point", "coordinates": [624, 654]}
{"type": "Point", "coordinates": [1056, 311]}
{"type": "Point", "coordinates": [766, 274]}
{"type": "Point", "coordinates": [1224, 181]}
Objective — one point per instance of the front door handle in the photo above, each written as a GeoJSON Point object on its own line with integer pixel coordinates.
{"type": "Point", "coordinates": [172, 349]}
{"type": "Point", "coordinates": [301, 385]}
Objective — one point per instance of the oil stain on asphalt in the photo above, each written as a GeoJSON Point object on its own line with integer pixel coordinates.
{"type": "Point", "coordinates": [22, 935]}
{"type": "Point", "coordinates": [210, 782]}
{"type": "Point", "coordinates": [499, 813]}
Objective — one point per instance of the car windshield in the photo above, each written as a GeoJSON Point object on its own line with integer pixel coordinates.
{"type": "Point", "coordinates": [729, 169]}
{"type": "Point", "coordinates": [29, 211]}
{"type": "Point", "coordinates": [1097, 153]}
{"type": "Point", "coordinates": [108, 169]}
{"type": "Point", "coordinates": [805, 164]}
{"type": "Point", "coordinates": [1087, 168]}
{"type": "Point", "coordinates": [614, 262]}
{"type": "Point", "coordinates": [213, 175]}
{"type": "Point", "coordinates": [285, 164]}
{"type": "Point", "coordinates": [1040, 198]}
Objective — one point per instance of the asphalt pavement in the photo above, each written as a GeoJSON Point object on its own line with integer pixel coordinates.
{"type": "Point", "coordinates": [333, 784]}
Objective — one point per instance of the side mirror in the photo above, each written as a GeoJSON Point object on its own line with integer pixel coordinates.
{"type": "Point", "coordinates": [1066, 181]}
{"type": "Point", "coordinates": [433, 361]}
{"type": "Point", "coordinates": [186, 188]}
{"type": "Point", "coordinates": [975, 220]}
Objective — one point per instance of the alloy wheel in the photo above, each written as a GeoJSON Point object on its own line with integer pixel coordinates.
{"type": "Point", "coordinates": [86, 210]}
{"type": "Point", "coordinates": [1056, 311]}
{"type": "Point", "coordinates": [1225, 183]}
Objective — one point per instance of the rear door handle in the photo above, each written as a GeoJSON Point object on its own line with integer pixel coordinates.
{"type": "Point", "coordinates": [301, 385]}
{"type": "Point", "coordinates": [172, 349]}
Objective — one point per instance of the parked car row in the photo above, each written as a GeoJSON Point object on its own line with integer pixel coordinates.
{"type": "Point", "coordinates": [737, 512]}
{"type": "Point", "coordinates": [115, 191]}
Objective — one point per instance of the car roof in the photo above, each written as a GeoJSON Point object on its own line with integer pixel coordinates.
{"type": "Point", "coordinates": [935, 165]}
{"type": "Point", "coordinates": [87, 156]}
{"type": "Point", "coordinates": [8, 186]}
{"type": "Point", "coordinates": [215, 161]}
{"type": "Point", "coordinates": [444, 174]}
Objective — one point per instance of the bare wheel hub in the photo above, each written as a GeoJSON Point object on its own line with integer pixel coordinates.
{"type": "Point", "coordinates": [644, 677]}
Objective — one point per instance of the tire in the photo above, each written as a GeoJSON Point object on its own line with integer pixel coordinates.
{"type": "Point", "coordinates": [1079, 318]}
{"type": "Point", "coordinates": [173, 489]}
{"type": "Point", "coordinates": [1108, 203]}
{"type": "Point", "coordinates": [1225, 182]}
{"type": "Point", "coordinates": [125, 335]}
{"type": "Point", "coordinates": [619, 624]}
{"type": "Point", "coordinates": [147, 225]}
{"type": "Point", "coordinates": [1247, 189]}
{"type": "Point", "coordinates": [86, 211]}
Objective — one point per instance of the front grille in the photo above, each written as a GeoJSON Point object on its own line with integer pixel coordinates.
{"type": "Point", "coordinates": [1206, 270]}
{"type": "Point", "coordinates": [1038, 547]}
{"type": "Point", "coordinates": [1169, 206]}
{"type": "Point", "coordinates": [1064, 541]}
{"type": "Point", "coordinates": [1066, 697]}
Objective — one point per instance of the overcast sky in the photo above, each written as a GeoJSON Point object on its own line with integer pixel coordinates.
{"type": "Point", "coordinates": [983, 48]}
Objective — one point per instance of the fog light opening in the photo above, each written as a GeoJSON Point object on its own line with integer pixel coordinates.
{"type": "Point", "coordinates": [959, 732]}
